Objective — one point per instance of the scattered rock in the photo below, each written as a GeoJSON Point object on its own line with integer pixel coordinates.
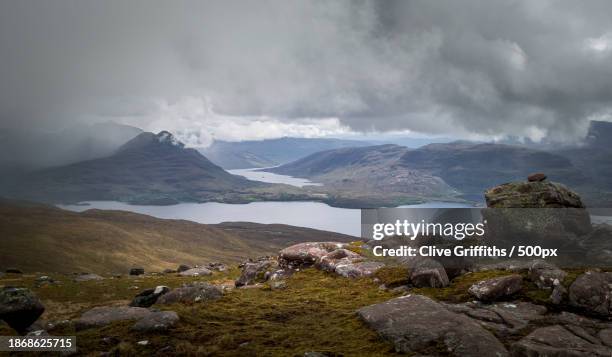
{"type": "Point", "coordinates": [557, 341]}
{"type": "Point", "coordinates": [217, 266]}
{"type": "Point", "coordinates": [43, 280]}
{"type": "Point", "coordinates": [196, 272]}
{"type": "Point", "coordinates": [537, 177]}
{"type": "Point", "coordinates": [13, 271]}
{"type": "Point", "coordinates": [149, 296]}
{"type": "Point", "coordinates": [87, 277]}
{"type": "Point", "coordinates": [182, 268]}
{"type": "Point", "coordinates": [278, 274]}
{"type": "Point", "coordinates": [137, 271]}
{"type": "Point", "coordinates": [158, 321]}
{"type": "Point", "coordinates": [496, 288]}
{"type": "Point", "coordinates": [38, 333]}
{"type": "Point", "coordinates": [558, 294]}
{"type": "Point", "coordinates": [143, 342]}
{"type": "Point", "coordinates": [254, 272]}
{"type": "Point", "coordinates": [19, 308]}
{"type": "Point", "coordinates": [545, 275]}
{"type": "Point", "coordinates": [416, 324]}
{"type": "Point", "coordinates": [192, 293]}
{"type": "Point", "coordinates": [278, 285]}
{"type": "Point", "coordinates": [306, 254]}
{"type": "Point", "coordinates": [358, 269]}
{"type": "Point", "coordinates": [102, 316]}
{"type": "Point", "coordinates": [592, 291]}
{"type": "Point", "coordinates": [426, 272]}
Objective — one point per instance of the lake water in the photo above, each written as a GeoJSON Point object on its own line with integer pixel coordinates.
{"type": "Point", "coordinates": [303, 214]}
{"type": "Point", "coordinates": [256, 175]}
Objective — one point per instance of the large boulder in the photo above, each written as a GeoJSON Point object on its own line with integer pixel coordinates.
{"type": "Point", "coordinates": [157, 321]}
{"type": "Point", "coordinates": [501, 317]}
{"type": "Point", "coordinates": [149, 296]}
{"type": "Point", "coordinates": [192, 293]}
{"type": "Point", "coordinates": [545, 275]}
{"type": "Point", "coordinates": [306, 254]}
{"type": "Point", "coordinates": [558, 341]}
{"type": "Point", "coordinates": [496, 288]}
{"type": "Point", "coordinates": [532, 194]}
{"type": "Point", "coordinates": [418, 325]}
{"type": "Point", "coordinates": [19, 308]}
{"type": "Point", "coordinates": [102, 316]}
{"type": "Point", "coordinates": [592, 291]}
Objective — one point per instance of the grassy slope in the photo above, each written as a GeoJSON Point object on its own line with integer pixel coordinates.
{"type": "Point", "coordinates": [47, 239]}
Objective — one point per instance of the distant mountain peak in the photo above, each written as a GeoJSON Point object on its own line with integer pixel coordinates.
{"type": "Point", "coordinates": [166, 137]}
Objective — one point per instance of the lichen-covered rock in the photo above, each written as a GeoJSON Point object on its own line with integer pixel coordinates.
{"type": "Point", "coordinates": [102, 316]}
{"type": "Point", "coordinates": [545, 275]}
{"type": "Point", "coordinates": [557, 341]}
{"type": "Point", "coordinates": [415, 324]}
{"type": "Point", "coordinates": [426, 272]}
{"type": "Point", "coordinates": [592, 291]}
{"type": "Point", "coordinates": [257, 271]}
{"type": "Point", "coordinates": [306, 254]}
{"type": "Point", "coordinates": [149, 296]}
{"type": "Point", "coordinates": [357, 269]}
{"type": "Point", "coordinates": [496, 288]}
{"type": "Point", "coordinates": [200, 271]}
{"type": "Point", "coordinates": [19, 308]}
{"type": "Point", "coordinates": [532, 195]}
{"type": "Point", "coordinates": [192, 293]}
{"type": "Point", "coordinates": [157, 321]}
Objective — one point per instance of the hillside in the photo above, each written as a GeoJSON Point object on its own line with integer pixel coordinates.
{"type": "Point", "coordinates": [43, 238]}
{"type": "Point", "coordinates": [270, 152]}
{"type": "Point", "coordinates": [151, 168]}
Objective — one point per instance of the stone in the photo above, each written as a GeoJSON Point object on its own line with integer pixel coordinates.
{"type": "Point", "coordinates": [254, 272]}
{"type": "Point", "coordinates": [278, 285]}
{"type": "Point", "coordinates": [537, 177]}
{"type": "Point", "coordinates": [545, 275]}
{"type": "Point", "coordinates": [104, 315]}
{"type": "Point", "coordinates": [426, 272]}
{"type": "Point", "coordinates": [505, 317]}
{"type": "Point", "coordinates": [13, 271]}
{"type": "Point", "coordinates": [182, 268]}
{"type": "Point", "coordinates": [192, 293]}
{"type": "Point", "coordinates": [201, 271]}
{"type": "Point", "coordinates": [306, 254]}
{"type": "Point", "coordinates": [592, 291]}
{"type": "Point", "coordinates": [87, 277]}
{"type": "Point", "coordinates": [532, 195]}
{"type": "Point", "coordinates": [358, 269]}
{"type": "Point", "coordinates": [415, 324]}
{"type": "Point", "coordinates": [19, 308]}
{"type": "Point", "coordinates": [496, 288]}
{"type": "Point", "coordinates": [157, 321]}
{"type": "Point", "coordinates": [217, 266]}
{"type": "Point", "coordinates": [558, 294]}
{"type": "Point", "coordinates": [606, 336]}
{"type": "Point", "coordinates": [559, 342]}
{"type": "Point", "coordinates": [137, 271]}
{"type": "Point", "coordinates": [169, 271]}
{"type": "Point", "coordinates": [149, 296]}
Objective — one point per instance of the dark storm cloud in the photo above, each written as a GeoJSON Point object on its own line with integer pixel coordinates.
{"type": "Point", "coordinates": [485, 67]}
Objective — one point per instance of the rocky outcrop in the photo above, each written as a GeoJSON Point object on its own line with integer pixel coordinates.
{"type": "Point", "coordinates": [102, 316]}
{"type": "Point", "coordinates": [157, 321]}
{"type": "Point", "coordinates": [149, 296]}
{"type": "Point", "coordinates": [416, 324]}
{"type": "Point", "coordinates": [558, 341]}
{"type": "Point", "coordinates": [497, 288]}
{"type": "Point", "coordinates": [192, 293]}
{"type": "Point", "coordinates": [306, 254]}
{"type": "Point", "coordinates": [357, 269]}
{"type": "Point", "coordinates": [256, 271]}
{"type": "Point", "coordinates": [19, 308]}
{"type": "Point", "coordinates": [592, 291]}
{"type": "Point", "coordinates": [532, 194]}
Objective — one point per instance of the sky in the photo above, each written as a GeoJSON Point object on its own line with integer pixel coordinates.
{"type": "Point", "coordinates": [238, 70]}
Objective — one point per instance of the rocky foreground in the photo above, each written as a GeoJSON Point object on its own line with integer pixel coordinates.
{"type": "Point", "coordinates": [324, 299]}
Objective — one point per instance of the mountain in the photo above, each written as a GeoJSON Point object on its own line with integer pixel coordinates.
{"type": "Point", "coordinates": [472, 167]}
{"type": "Point", "coordinates": [150, 168]}
{"type": "Point", "coordinates": [368, 176]}
{"type": "Point", "coordinates": [37, 237]}
{"type": "Point", "coordinates": [437, 171]}
{"type": "Point", "coordinates": [26, 150]}
{"type": "Point", "coordinates": [270, 152]}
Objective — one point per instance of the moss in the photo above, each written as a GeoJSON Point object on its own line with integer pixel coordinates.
{"type": "Point", "coordinates": [393, 276]}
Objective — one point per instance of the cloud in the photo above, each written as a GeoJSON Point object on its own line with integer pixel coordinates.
{"type": "Point", "coordinates": [521, 68]}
